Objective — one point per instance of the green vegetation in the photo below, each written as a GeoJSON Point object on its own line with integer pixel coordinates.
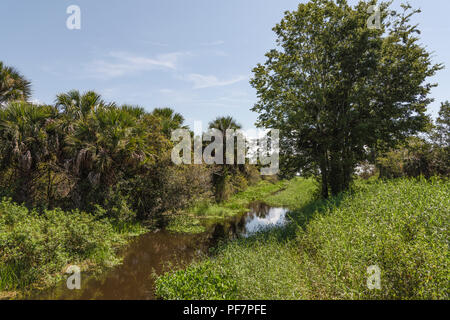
{"type": "Point", "coordinates": [183, 223]}
{"type": "Point", "coordinates": [190, 220]}
{"type": "Point", "coordinates": [83, 151]}
{"type": "Point", "coordinates": [400, 226]}
{"type": "Point", "coordinates": [80, 176]}
{"type": "Point", "coordinates": [35, 248]}
{"type": "Point", "coordinates": [209, 283]}
{"type": "Point", "coordinates": [87, 173]}
{"type": "Point", "coordinates": [222, 174]}
{"type": "Point", "coordinates": [419, 156]}
{"type": "Point", "coordinates": [239, 202]}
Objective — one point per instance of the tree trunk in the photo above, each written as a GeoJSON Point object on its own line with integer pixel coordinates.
{"type": "Point", "coordinates": [336, 180]}
{"type": "Point", "coordinates": [324, 176]}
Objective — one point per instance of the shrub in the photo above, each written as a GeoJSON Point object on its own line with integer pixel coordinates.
{"type": "Point", "coordinates": [417, 157]}
{"type": "Point", "coordinates": [35, 248]}
{"type": "Point", "coordinates": [196, 282]}
{"type": "Point", "coordinates": [239, 183]}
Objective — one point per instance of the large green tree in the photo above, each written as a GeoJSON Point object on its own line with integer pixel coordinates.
{"type": "Point", "coordinates": [336, 88]}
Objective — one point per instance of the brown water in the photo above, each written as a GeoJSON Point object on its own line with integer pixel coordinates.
{"type": "Point", "coordinates": [151, 253]}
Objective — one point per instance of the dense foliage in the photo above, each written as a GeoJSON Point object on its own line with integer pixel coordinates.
{"type": "Point", "coordinates": [36, 247]}
{"type": "Point", "coordinates": [83, 152]}
{"type": "Point", "coordinates": [420, 156]}
{"type": "Point", "coordinates": [197, 282]}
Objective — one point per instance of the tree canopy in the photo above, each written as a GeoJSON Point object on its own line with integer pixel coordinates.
{"type": "Point", "coordinates": [13, 85]}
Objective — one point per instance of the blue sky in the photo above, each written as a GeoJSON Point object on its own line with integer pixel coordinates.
{"type": "Point", "coordinates": [194, 56]}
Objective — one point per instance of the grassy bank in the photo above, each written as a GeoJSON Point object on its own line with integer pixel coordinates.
{"type": "Point", "coordinates": [400, 226]}
{"type": "Point", "coordinates": [188, 221]}
{"type": "Point", "coordinates": [36, 248]}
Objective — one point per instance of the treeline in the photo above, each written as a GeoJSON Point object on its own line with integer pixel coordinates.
{"type": "Point", "coordinates": [86, 153]}
{"type": "Point", "coordinates": [425, 156]}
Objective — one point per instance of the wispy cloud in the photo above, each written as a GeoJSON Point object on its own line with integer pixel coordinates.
{"type": "Point", "coordinates": [155, 43]}
{"type": "Point", "coordinates": [212, 43]}
{"type": "Point", "coordinates": [118, 64]}
{"type": "Point", "coordinates": [206, 81]}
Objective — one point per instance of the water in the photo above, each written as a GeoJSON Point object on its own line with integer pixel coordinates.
{"type": "Point", "coordinates": [272, 217]}
{"type": "Point", "coordinates": [150, 254]}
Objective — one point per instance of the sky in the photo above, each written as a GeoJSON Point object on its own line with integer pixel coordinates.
{"type": "Point", "coordinates": [195, 56]}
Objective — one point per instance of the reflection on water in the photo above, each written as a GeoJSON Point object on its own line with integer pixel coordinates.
{"type": "Point", "coordinates": [153, 251]}
{"type": "Point", "coordinates": [274, 217]}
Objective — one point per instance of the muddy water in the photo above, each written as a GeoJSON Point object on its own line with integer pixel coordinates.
{"type": "Point", "coordinates": [151, 253]}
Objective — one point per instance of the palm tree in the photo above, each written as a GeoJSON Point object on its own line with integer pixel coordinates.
{"type": "Point", "coordinates": [224, 123]}
{"type": "Point", "coordinates": [13, 86]}
{"type": "Point", "coordinates": [170, 120]}
{"type": "Point", "coordinates": [76, 110]}
{"type": "Point", "coordinates": [221, 174]}
{"type": "Point", "coordinates": [25, 141]}
{"type": "Point", "coordinates": [107, 143]}
{"type": "Point", "coordinates": [103, 142]}
{"type": "Point", "coordinates": [78, 106]}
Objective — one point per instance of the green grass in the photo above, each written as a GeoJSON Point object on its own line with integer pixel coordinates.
{"type": "Point", "coordinates": [401, 226]}
{"type": "Point", "coordinates": [35, 248]}
{"type": "Point", "coordinates": [182, 223]}
{"type": "Point", "coordinates": [295, 194]}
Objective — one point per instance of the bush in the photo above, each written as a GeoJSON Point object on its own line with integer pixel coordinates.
{"type": "Point", "coordinates": [239, 183]}
{"type": "Point", "coordinates": [252, 174]}
{"type": "Point", "coordinates": [35, 248]}
{"type": "Point", "coordinates": [417, 157]}
{"type": "Point", "coordinates": [169, 188]}
{"type": "Point", "coordinates": [196, 282]}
